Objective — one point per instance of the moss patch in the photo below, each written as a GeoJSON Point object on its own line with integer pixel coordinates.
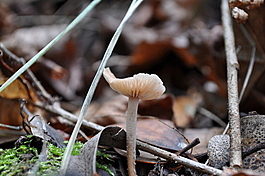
{"type": "Point", "coordinates": [21, 159]}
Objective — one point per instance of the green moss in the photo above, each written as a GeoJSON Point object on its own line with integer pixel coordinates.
{"type": "Point", "coordinates": [105, 167]}
{"type": "Point", "coordinates": [16, 161]}
{"type": "Point", "coordinates": [103, 161]}
{"type": "Point", "coordinates": [19, 160]}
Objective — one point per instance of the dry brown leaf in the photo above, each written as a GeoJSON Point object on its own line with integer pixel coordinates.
{"type": "Point", "coordinates": [255, 29]}
{"type": "Point", "coordinates": [159, 133]}
{"type": "Point", "coordinates": [6, 22]}
{"type": "Point", "coordinates": [113, 111]}
{"type": "Point", "coordinates": [10, 112]}
{"type": "Point", "coordinates": [160, 107]}
{"type": "Point", "coordinates": [17, 90]}
{"type": "Point", "coordinates": [149, 54]}
{"type": "Point", "coordinates": [204, 134]}
{"type": "Point", "coordinates": [110, 112]}
{"type": "Point", "coordinates": [21, 88]}
{"type": "Point", "coordinates": [60, 67]}
{"type": "Point", "coordinates": [184, 108]}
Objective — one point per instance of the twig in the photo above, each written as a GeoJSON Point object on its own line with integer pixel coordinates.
{"type": "Point", "coordinates": [181, 160]}
{"type": "Point", "coordinates": [232, 85]}
{"type": "Point", "coordinates": [253, 150]}
{"type": "Point", "coordinates": [189, 146]}
{"type": "Point", "coordinates": [56, 109]}
{"type": "Point", "coordinates": [11, 127]}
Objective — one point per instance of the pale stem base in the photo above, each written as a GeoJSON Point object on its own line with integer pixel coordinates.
{"type": "Point", "coordinates": [131, 134]}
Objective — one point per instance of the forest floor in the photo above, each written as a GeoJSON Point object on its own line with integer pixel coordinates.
{"type": "Point", "coordinates": [182, 42]}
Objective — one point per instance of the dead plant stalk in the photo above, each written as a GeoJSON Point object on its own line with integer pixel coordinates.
{"type": "Point", "coordinates": [232, 86]}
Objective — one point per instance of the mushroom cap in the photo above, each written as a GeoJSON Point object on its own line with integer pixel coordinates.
{"type": "Point", "coordinates": [142, 86]}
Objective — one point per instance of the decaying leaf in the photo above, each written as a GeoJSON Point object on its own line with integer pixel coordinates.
{"type": "Point", "coordinates": [61, 62]}
{"type": "Point", "coordinates": [11, 113]}
{"type": "Point", "coordinates": [204, 134]}
{"type": "Point", "coordinates": [184, 109]}
{"type": "Point", "coordinates": [148, 54]}
{"type": "Point", "coordinates": [248, 4]}
{"type": "Point", "coordinates": [113, 110]}
{"type": "Point", "coordinates": [17, 90]}
{"type": "Point", "coordinates": [85, 163]}
{"type": "Point", "coordinates": [7, 17]}
{"type": "Point", "coordinates": [110, 112]}
{"type": "Point", "coordinates": [240, 15]}
{"type": "Point", "coordinates": [160, 107]}
{"type": "Point", "coordinates": [159, 133]}
{"type": "Point", "coordinates": [41, 129]}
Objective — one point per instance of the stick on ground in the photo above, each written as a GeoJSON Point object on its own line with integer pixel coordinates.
{"type": "Point", "coordinates": [232, 85]}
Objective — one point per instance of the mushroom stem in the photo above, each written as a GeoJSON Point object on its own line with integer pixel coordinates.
{"type": "Point", "coordinates": [131, 134]}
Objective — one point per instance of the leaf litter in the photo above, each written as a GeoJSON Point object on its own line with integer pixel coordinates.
{"type": "Point", "coordinates": [167, 38]}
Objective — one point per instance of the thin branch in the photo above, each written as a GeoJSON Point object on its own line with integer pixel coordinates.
{"type": "Point", "coordinates": [11, 127]}
{"type": "Point", "coordinates": [56, 109]}
{"type": "Point", "coordinates": [253, 149]}
{"type": "Point", "coordinates": [232, 85]}
{"type": "Point", "coordinates": [181, 160]}
{"type": "Point", "coordinates": [189, 146]}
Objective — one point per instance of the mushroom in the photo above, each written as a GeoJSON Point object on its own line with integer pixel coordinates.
{"type": "Point", "coordinates": [140, 86]}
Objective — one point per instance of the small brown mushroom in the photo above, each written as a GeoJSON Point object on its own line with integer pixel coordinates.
{"type": "Point", "coordinates": [141, 86]}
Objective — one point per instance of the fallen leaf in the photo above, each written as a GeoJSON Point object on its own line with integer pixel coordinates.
{"type": "Point", "coordinates": [148, 54]}
{"type": "Point", "coordinates": [204, 134]}
{"type": "Point", "coordinates": [160, 107]}
{"type": "Point", "coordinates": [10, 112]}
{"type": "Point", "coordinates": [6, 23]}
{"type": "Point", "coordinates": [160, 133]}
{"type": "Point", "coordinates": [85, 163]}
{"type": "Point", "coordinates": [184, 108]}
{"type": "Point", "coordinates": [110, 112]}
{"type": "Point", "coordinates": [17, 90]}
